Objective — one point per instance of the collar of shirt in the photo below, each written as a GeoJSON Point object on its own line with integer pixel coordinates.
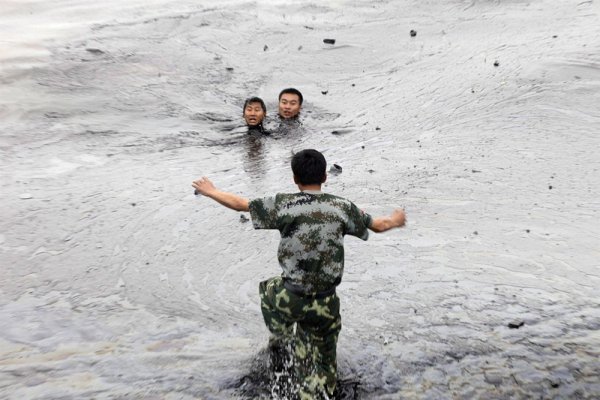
{"type": "Point", "coordinates": [313, 191]}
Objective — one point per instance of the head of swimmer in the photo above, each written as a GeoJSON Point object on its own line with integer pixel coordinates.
{"type": "Point", "coordinates": [290, 103]}
{"type": "Point", "coordinates": [254, 111]}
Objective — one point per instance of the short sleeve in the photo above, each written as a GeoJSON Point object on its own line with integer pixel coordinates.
{"type": "Point", "coordinates": [358, 223]}
{"type": "Point", "coordinates": [264, 213]}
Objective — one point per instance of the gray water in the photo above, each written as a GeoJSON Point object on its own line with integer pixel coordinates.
{"type": "Point", "coordinates": [117, 283]}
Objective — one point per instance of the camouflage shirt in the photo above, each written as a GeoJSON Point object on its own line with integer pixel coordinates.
{"type": "Point", "coordinates": [312, 226]}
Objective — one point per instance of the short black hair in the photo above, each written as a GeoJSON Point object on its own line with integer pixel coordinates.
{"type": "Point", "coordinates": [254, 100]}
{"type": "Point", "coordinates": [292, 91]}
{"type": "Point", "coordinates": [309, 167]}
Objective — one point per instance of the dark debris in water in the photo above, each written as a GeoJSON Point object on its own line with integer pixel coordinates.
{"type": "Point", "coordinates": [329, 41]}
{"type": "Point", "coordinates": [94, 51]}
{"type": "Point", "coordinates": [516, 324]}
{"type": "Point", "coordinates": [335, 169]}
{"type": "Point", "coordinates": [341, 131]}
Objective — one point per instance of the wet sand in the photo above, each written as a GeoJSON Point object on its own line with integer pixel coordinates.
{"type": "Point", "coordinates": [117, 283]}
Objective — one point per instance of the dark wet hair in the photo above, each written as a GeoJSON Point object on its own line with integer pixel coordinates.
{"type": "Point", "coordinates": [250, 100]}
{"type": "Point", "coordinates": [309, 167]}
{"type": "Point", "coordinates": [292, 91]}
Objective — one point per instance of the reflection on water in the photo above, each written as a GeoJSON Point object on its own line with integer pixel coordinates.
{"type": "Point", "coordinates": [255, 160]}
{"type": "Point", "coordinates": [117, 282]}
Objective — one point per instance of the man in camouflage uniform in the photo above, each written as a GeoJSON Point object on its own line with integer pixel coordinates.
{"type": "Point", "coordinates": [301, 307]}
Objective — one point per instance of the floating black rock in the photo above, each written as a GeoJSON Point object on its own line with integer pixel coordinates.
{"type": "Point", "coordinates": [354, 84]}
{"type": "Point", "coordinates": [516, 324]}
{"type": "Point", "coordinates": [377, 128]}
{"type": "Point", "coordinates": [527, 230]}
{"type": "Point", "coordinates": [229, 69]}
{"type": "Point", "coordinates": [265, 48]}
{"type": "Point", "coordinates": [496, 63]}
{"type": "Point", "coordinates": [554, 36]}
{"type": "Point", "coordinates": [335, 169]}
{"type": "Point", "coordinates": [324, 92]}
{"type": "Point", "coordinates": [299, 48]}
{"type": "Point", "coordinates": [329, 41]}
{"type": "Point", "coordinates": [475, 233]}
{"type": "Point", "coordinates": [413, 33]}
{"type": "Point", "coordinates": [550, 187]}
{"type": "Point", "coordinates": [133, 204]}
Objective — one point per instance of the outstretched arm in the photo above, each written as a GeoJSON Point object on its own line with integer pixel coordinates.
{"type": "Point", "coordinates": [205, 187]}
{"type": "Point", "coordinates": [382, 224]}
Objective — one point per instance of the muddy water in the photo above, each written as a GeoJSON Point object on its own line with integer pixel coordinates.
{"type": "Point", "coordinates": [116, 282]}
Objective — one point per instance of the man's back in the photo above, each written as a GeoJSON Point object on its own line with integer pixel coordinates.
{"type": "Point", "coordinates": [312, 226]}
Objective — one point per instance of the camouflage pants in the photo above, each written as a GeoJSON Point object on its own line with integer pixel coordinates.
{"type": "Point", "coordinates": [310, 328]}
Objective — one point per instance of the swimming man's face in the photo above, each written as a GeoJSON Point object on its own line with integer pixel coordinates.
{"type": "Point", "coordinates": [254, 114]}
{"type": "Point", "coordinates": [289, 105]}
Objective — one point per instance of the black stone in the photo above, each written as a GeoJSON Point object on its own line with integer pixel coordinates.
{"type": "Point", "coordinates": [329, 41]}
{"type": "Point", "coordinates": [229, 69]}
{"type": "Point", "coordinates": [335, 169]}
{"type": "Point", "coordinates": [265, 48]}
{"type": "Point", "coordinates": [95, 51]}
{"type": "Point", "coordinates": [496, 63]}
{"type": "Point", "coordinates": [377, 128]}
{"type": "Point", "coordinates": [516, 324]}
{"type": "Point", "coordinates": [324, 92]}
{"type": "Point", "coordinates": [550, 187]}
{"type": "Point", "coordinates": [413, 33]}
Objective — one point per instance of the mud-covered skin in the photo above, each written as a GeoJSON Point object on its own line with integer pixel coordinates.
{"type": "Point", "coordinates": [312, 227]}
{"type": "Point", "coordinates": [309, 329]}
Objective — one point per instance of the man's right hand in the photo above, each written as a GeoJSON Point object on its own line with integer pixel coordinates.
{"type": "Point", "coordinates": [204, 186]}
